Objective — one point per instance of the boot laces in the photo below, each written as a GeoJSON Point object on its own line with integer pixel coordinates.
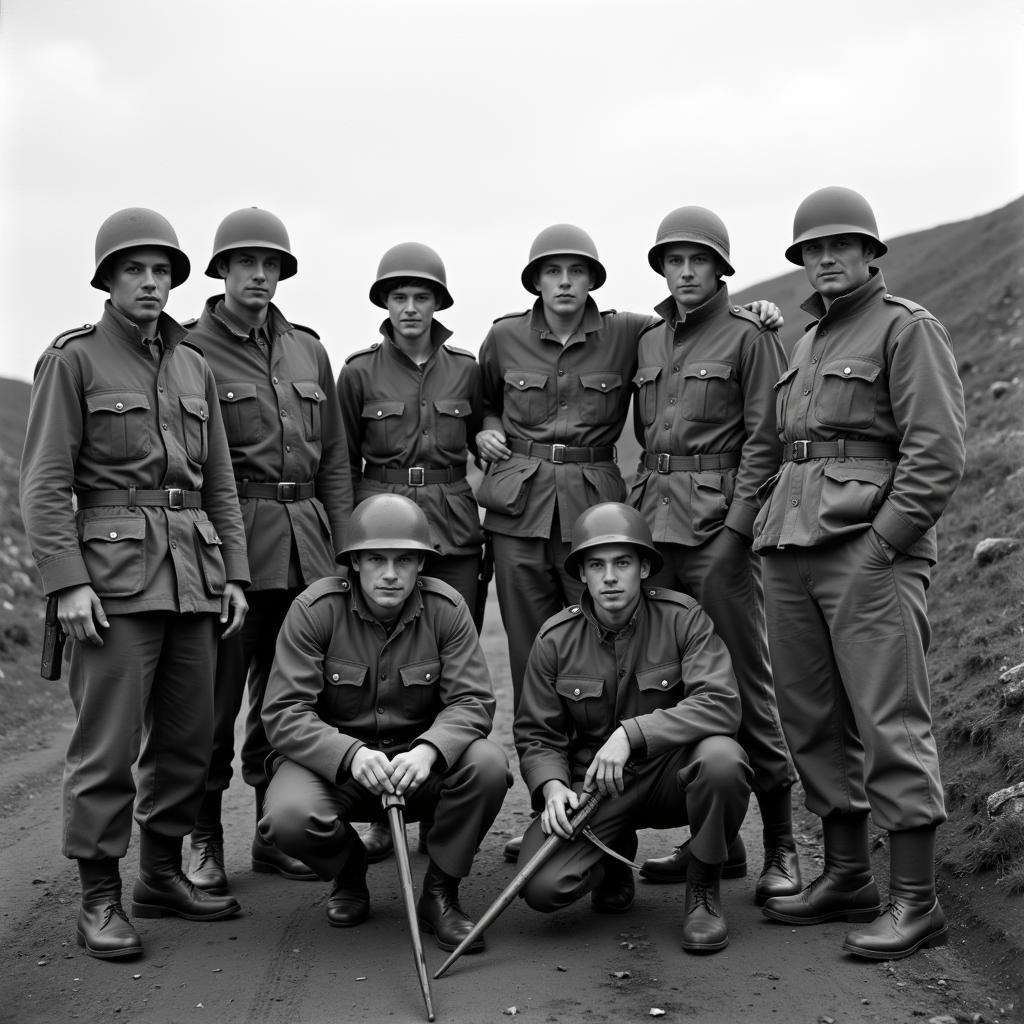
{"type": "Point", "coordinates": [703, 896]}
{"type": "Point", "coordinates": [775, 857]}
{"type": "Point", "coordinates": [112, 908]}
{"type": "Point", "coordinates": [211, 851]}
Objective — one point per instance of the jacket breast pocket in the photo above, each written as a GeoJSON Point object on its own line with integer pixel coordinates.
{"type": "Point", "coordinates": [240, 410]}
{"type": "Point", "coordinates": [661, 686]}
{"type": "Point", "coordinates": [211, 563]}
{"type": "Point", "coordinates": [646, 384]}
{"type": "Point", "coordinates": [420, 684]}
{"type": "Point", "coordinates": [710, 392]}
{"type": "Point", "coordinates": [846, 396]}
{"type": "Point", "coordinates": [852, 493]}
{"type": "Point", "coordinates": [118, 426]}
{"type": "Point", "coordinates": [311, 395]}
{"type": "Point", "coordinates": [344, 692]}
{"type": "Point", "coordinates": [526, 398]}
{"type": "Point", "coordinates": [601, 394]}
{"type": "Point", "coordinates": [195, 417]}
{"type": "Point", "coordinates": [582, 697]}
{"type": "Point", "coordinates": [382, 427]}
{"type": "Point", "coordinates": [114, 550]}
{"type": "Point", "coordinates": [782, 387]}
{"type": "Point", "coordinates": [451, 423]}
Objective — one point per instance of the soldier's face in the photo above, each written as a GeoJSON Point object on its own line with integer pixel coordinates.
{"type": "Point", "coordinates": [691, 273]}
{"type": "Point", "coordinates": [411, 310]}
{"type": "Point", "coordinates": [564, 282]}
{"type": "Point", "coordinates": [386, 578]}
{"type": "Point", "coordinates": [837, 264]}
{"type": "Point", "coordinates": [250, 277]}
{"type": "Point", "coordinates": [614, 574]}
{"type": "Point", "coordinates": [139, 283]}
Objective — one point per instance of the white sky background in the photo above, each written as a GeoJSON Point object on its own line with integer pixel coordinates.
{"type": "Point", "coordinates": [471, 126]}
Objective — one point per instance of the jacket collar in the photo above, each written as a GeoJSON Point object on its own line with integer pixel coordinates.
{"type": "Point", "coordinates": [409, 611]}
{"type": "Point", "coordinates": [216, 309]}
{"type": "Point", "coordinates": [168, 330]}
{"type": "Point", "coordinates": [849, 304]}
{"type": "Point", "coordinates": [439, 334]}
{"type": "Point", "coordinates": [606, 635]}
{"type": "Point", "coordinates": [591, 318]}
{"type": "Point", "coordinates": [669, 311]}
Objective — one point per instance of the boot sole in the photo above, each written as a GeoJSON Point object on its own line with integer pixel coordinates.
{"type": "Point", "coordinates": [701, 948]}
{"type": "Point", "coordinates": [937, 938]}
{"type": "Point", "coordinates": [265, 867]}
{"type": "Point", "coordinates": [107, 954]}
{"type": "Point", "coordinates": [859, 916]}
{"type": "Point", "coordinates": [150, 910]}
{"type": "Point", "coordinates": [728, 871]}
{"type": "Point", "coordinates": [477, 947]}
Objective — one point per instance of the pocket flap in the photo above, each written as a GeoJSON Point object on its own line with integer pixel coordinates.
{"type": "Point", "coordinates": [702, 371]}
{"type": "Point", "coordinates": [382, 410]}
{"type": "Point", "coordinates": [195, 405]}
{"type": "Point", "coordinates": [114, 530]}
{"type": "Point", "coordinates": [309, 389]}
{"type": "Point", "coordinates": [117, 401]}
{"type": "Point", "coordinates": [785, 378]}
{"type": "Point", "coordinates": [207, 531]}
{"type": "Point", "coordinates": [423, 673]}
{"type": "Point", "coordinates": [523, 380]}
{"type": "Point", "coordinates": [236, 392]}
{"type": "Point", "coordinates": [647, 375]}
{"type": "Point", "coordinates": [344, 673]}
{"type": "Point", "coordinates": [601, 381]}
{"type": "Point", "coordinates": [861, 369]}
{"type": "Point", "coordinates": [453, 406]}
{"type": "Point", "coordinates": [579, 687]}
{"type": "Point", "coordinates": [661, 677]}
{"type": "Point", "coordinates": [861, 471]}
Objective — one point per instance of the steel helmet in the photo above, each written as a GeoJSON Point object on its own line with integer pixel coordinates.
{"type": "Point", "coordinates": [411, 259]}
{"type": "Point", "coordinates": [130, 229]}
{"type": "Point", "coordinates": [562, 240]}
{"type": "Point", "coordinates": [386, 521]}
{"type": "Point", "coordinates": [253, 228]}
{"type": "Point", "coordinates": [692, 224]}
{"type": "Point", "coordinates": [611, 522]}
{"type": "Point", "coordinates": [833, 211]}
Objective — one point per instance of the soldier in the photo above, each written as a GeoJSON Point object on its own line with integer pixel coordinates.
{"type": "Point", "coordinates": [705, 415]}
{"type": "Point", "coordinates": [290, 460]}
{"type": "Point", "coordinates": [379, 686]}
{"type": "Point", "coordinates": [630, 693]}
{"type": "Point", "coordinates": [124, 420]}
{"type": "Point", "coordinates": [411, 403]}
{"type": "Point", "coordinates": [871, 415]}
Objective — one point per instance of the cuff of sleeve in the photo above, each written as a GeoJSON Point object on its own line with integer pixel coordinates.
{"type": "Point", "coordinates": [635, 735]}
{"type": "Point", "coordinates": [63, 571]}
{"type": "Point", "coordinates": [890, 525]}
{"type": "Point", "coordinates": [345, 768]}
{"type": "Point", "coordinates": [740, 518]}
{"type": "Point", "coordinates": [236, 567]}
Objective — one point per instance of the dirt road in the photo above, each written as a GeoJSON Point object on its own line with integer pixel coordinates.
{"type": "Point", "coordinates": [280, 963]}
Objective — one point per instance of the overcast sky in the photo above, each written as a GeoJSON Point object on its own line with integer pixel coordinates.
{"type": "Point", "coordinates": [471, 126]}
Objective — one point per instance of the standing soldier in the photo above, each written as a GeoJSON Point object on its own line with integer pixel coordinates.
{"type": "Point", "coordinates": [124, 421]}
{"type": "Point", "coordinates": [290, 461]}
{"type": "Point", "coordinates": [705, 417]}
{"type": "Point", "coordinates": [411, 404]}
{"type": "Point", "coordinates": [379, 686]}
{"type": "Point", "coordinates": [871, 414]}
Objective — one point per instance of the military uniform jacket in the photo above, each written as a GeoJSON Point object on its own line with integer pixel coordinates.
{"type": "Point", "coordinates": [340, 681]}
{"type": "Point", "coordinates": [105, 415]}
{"type": "Point", "coordinates": [577, 394]}
{"type": "Point", "coordinates": [398, 414]}
{"type": "Point", "coordinates": [704, 386]}
{"type": "Point", "coordinates": [283, 424]}
{"type": "Point", "coordinates": [872, 368]}
{"type": "Point", "coordinates": [666, 678]}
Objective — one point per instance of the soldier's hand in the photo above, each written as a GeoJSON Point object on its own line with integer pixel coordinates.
{"type": "Point", "coordinates": [372, 770]}
{"type": "Point", "coordinates": [767, 312]}
{"type": "Point", "coordinates": [79, 612]}
{"type": "Point", "coordinates": [233, 604]}
{"type": "Point", "coordinates": [605, 771]}
{"type": "Point", "coordinates": [558, 801]}
{"type": "Point", "coordinates": [490, 444]}
{"type": "Point", "coordinates": [410, 770]}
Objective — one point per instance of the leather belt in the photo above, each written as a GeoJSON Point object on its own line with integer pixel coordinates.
{"type": "Point", "coordinates": [172, 497]}
{"type": "Point", "coordinates": [415, 476]}
{"type": "Point", "coordinates": [801, 451]}
{"type": "Point", "coordinates": [559, 453]}
{"type": "Point", "coordinates": [286, 490]}
{"type": "Point", "coordinates": [665, 463]}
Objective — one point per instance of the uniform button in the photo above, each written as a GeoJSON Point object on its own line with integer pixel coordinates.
{"type": "Point", "coordinates": [603, 384]}
{"type": "Point", "coordinates": [667, 425]}
{"type": "Point", "coordinates": [622, 672]}
{"type": "Point", "coordinates": [113, 535]}
{"type": "Point", "coordinates": [427, 676]}
{"type": "Point", "coordinates": [671, 401]}
{"type": "Point", "coordinates": [664, 682]}
{"type": "Point", "coordinates": [651, 593]}
{"type": "Point", "coordinates": [814, 359]}
{"type": "Point", "coordinates": [565, 405]}
{"type": "Point", "coordinates": [161, 389]}
{"type": "Point", "coordinates": [703, 373]}
{"type": "Point", "coordinates": [284, 414]}
{"type": "Point", "coordinates": [807, 391]}
{"type": "Point", "coordinates": [163, 426]}
{"type": "Point", "coordinates": [675, 369]}
{"type": "Point", "coordinates": [576, 692]}
{"type": "Point", "coordinates": [795, 502]}
{"type": "Point", "coordinates": [274, 379]}
{"type": "Point", "coordinates": [231, 394]}
{"type": "Point", "coordinates": [561, 373]}
{"type": "Point", "coordinates": [380, 711]}
{"type": "Point", "coordinates": [335, 677]}
{"type": "Point", "coordinates": [847, 370]}
{"type": "Point", "coordinates": [119, 405]}
{"type": "Point", "coordinates": [522, 382]}
{"type": "Point", "coordinates": [456, 412]}
{"type": "Point", "coordinates": [316, 394]}
{"type": "Point", "coordinates": [380, 412]}
{"type": "Point", "coordinates": [574, 610]}
{"type": "Point", "coordinates": [287, 447]}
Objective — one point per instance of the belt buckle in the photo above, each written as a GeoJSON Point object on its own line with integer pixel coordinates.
{"type": "Point", "coordinates": [287, 490]}
{"type": "Point", "coordinates": [175, 497]}
{"type": "Point", "coordinates": [558, 454]}
{"type": "Point", "coordinates": [663, 462]}
{"type": "Point", "coordinates": [416, 476]}
{"type": "Point", "coordinates": [799, 451]}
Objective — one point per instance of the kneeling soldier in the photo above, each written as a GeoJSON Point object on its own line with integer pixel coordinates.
{"type": "Point", "coordinates": [632, 675]}
{"type": "Point", "coordinates": [379, 686]}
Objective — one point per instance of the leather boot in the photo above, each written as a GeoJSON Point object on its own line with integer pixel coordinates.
{"type": "Point", "coordinates": [845, 890]}
{"type": "Point", "coordinates": [103, 930]}
{"type": "Point", "coordinates": [780, 875]}
{"type": "Point", "coordinates": [161, 890]}
{"type": "Point", "coordinates": [511, 849]}
{"type": "Point", "coordinates": [671, 870]}
{"type": "Point", "coordinates": [439, 912]}
{"type": "Point", "coordinates": [704, 927]}
{"type": "Point", "coordinates": [349, 902]}
{"type": "Point", "coordinates": [206, 863]}
{"type": "Point", "coordinates": [267, 859]}
{"type": "Point", "coordinates": [912, 918]}
{"type": "Point", "coordinates": [615, 893]}
{"type": "Point", "coordinates": [378, 842]}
